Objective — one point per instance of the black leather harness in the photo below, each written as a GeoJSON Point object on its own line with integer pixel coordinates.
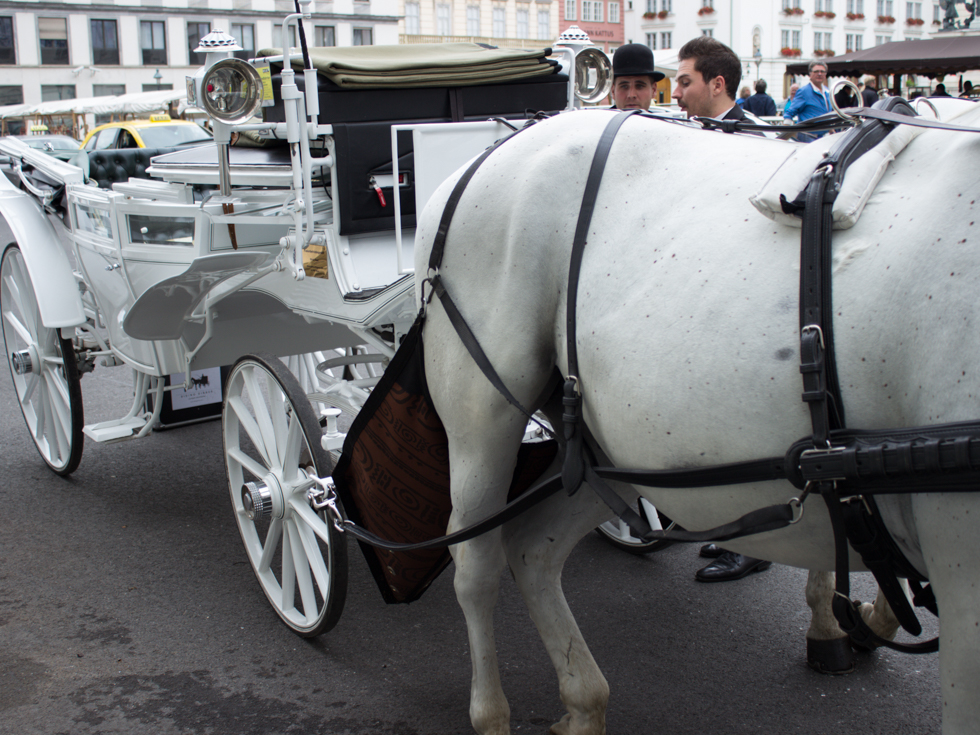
{"type": "Point", "coordinates": [847, 467]}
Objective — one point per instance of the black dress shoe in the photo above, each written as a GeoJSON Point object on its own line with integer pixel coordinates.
{"type": "Point", "coordinates": [730, 566]}
{"type": "Point", "coordinates": [711, 551]}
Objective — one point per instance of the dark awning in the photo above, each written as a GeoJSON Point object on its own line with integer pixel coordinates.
{"type": "Point", "coordinates": [931, 58]}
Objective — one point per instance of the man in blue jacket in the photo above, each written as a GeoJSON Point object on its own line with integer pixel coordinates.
{"type": "Point", "coordinates": [812, 99]}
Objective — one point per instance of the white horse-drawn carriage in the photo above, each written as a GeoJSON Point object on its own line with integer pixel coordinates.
{"type": "Point", "coordinates": [228, 255]}
{"type": "Point", "coordinates": [171, 263]}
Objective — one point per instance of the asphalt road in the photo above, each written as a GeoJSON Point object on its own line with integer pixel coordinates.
{"type": "Point", "coordinates": [127, 606]}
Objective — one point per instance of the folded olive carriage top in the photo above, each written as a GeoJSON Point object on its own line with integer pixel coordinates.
{"type": "Point", "coordinates": [424, 64]}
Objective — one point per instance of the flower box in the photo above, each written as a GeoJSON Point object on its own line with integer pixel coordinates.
{"type": "Point", "coordinates": [706, 10]}
{"type": "Point", "coordinates": [914, 21]}
{"type": "Point", "coordinates": [824, 14]}
{"type": "Point", "coordinates": [824, 52]}
{"type": "Point", "coordinates": [855, 16]}
{"type": "Point", "coordinates": [662, 14]}
{"type": "Point", "coordinates": [792, 11]}
{"type": "Point", "coordinates": [787, 51]}
{"type": "Point", "coordinates": [649, 16]}
{"type": "Point", "coordinates": [886, 19]}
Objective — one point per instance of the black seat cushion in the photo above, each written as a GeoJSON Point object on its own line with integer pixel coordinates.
{"type": "Point", "coordinates": [110, 166]}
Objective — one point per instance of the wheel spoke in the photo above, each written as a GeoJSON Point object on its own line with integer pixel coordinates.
{"type": "Point", "coordinates": [260, 411]}
{"type": "Point", "coordinates": [301, 566]}
{"type": "Point", "coordinates": [288, 573]}
{"type": "Point", "coordinates": [247, 422]}
{"type": "Point", "coordinates": [291, 445]}
{"type": "Point", "coordinates": [58, 435]}
{"type": "Point", "coordinates": [270, 545]}
{"type": "Point", "coordinates": [280, 424]}
{"type": "Point", "coordinates": [310, 519]}
{"type": "Point", "coordinates": [30, 385]}
{"type": "Point", "coordinates": [314, 556]}
{"type": "Point", "coordinates": [19, 327]}
{"type": "Point", "coordinates": [253, 466]}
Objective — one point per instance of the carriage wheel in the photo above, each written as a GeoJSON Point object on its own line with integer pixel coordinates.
{"type": "Point", "coordinates": [272, 444]}
{"type": "Point", "coordinates": [621, 536]}
{"type": "Point", "coordinates": [43, 368]}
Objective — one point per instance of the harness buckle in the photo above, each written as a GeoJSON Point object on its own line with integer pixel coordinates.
{"type": "Point", "coordinates": [814, 328]}
{"type": "Point", "coordinates": [822, 465]}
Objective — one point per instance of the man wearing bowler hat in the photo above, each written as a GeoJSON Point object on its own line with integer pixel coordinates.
{"type": "Point", "coordinates": [634, 77]}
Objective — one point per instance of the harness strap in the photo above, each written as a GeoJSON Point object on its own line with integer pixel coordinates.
{"type": "Point", "coordinates": [572, 471]}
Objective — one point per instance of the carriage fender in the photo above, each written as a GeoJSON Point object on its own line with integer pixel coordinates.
{"type": "Point", "coordinates": [58, 297]}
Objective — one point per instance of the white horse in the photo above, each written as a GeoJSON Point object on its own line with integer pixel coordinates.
{"type": "Point", "coordinates": [688, 342]}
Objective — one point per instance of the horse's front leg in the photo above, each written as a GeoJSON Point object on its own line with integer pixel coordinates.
{"type": "Point", "coordinates": [537, 545]}
{"type": "Point", "coordinates": [828, 649]}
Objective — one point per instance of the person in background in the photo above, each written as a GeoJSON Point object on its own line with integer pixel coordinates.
{"type": "Point", "coordinates": [812, 99]}
{"type": "Point", "coordinates": [967, 89]}
{"type": "Point", "coordinates": [845, 97]}
{"type": "Point", "coordinates": [743, 96]}
{"type": "Point", "coordinates": [940, 91]}
{"type": "Point", "coordinates": [760, 104]}
{"type": "Point", "coordinates": [869, 95]}
{"type": "Point", "coordinates": [634, 77]}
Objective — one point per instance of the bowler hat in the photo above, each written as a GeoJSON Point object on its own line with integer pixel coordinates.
{"type": "Point", "coordinates": [633, 60]}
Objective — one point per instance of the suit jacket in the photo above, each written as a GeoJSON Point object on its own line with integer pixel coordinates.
{"type": "Point", "coordinates": [760, 104]}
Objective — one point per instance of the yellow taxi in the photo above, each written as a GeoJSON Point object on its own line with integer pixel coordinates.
{"type": "Point", "coordinates": [157, 132]}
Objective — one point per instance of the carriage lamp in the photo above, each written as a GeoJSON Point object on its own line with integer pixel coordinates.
{"type": "Point", "coordinates": [231, 91]}
{"type": "Point", "coordinates": [592, 75]}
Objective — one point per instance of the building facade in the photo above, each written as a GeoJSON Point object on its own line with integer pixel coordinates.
{"type": "Point", "coordinates": [505, 23]}
{"type": "Point", "coordinates": [601, 20]}
{"type": "Point", "coordinates": [766, 34]}
{"type": "Point", "coordinates": [51, 49]}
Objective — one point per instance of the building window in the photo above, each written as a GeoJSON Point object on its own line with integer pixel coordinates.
{"type": "Point", "coordinates": [787, 4]}
{"type": "Point", "coordinates": [784, 39]}
{"type": "Point", "coordinates": [885, 7]}
{"type": "Point", "coordinates": [443, 20]}
{"type": "Point", "coordinates": [472, 20]}
{"type": "Point", "coordinates": [105, 43]}
{"type": "Point", "coordinates": [818, 41]}
{"type": "Point", "coordinates": [652, 40]}
{"type": "Point", "coordinates": [651, 6]}
{"type": "Point", "coordinates": [363, 36]}
{"type": "Point", "coordinates": [667, 5]}
{"type": "Point", "coordinates": [614, 12]}
{"type": "Point", "coordinates": [796, 39]}
{"type": "Point", "coordinates": [277, 36]}
{"type": "Point", "coordinates": [195, 32]}
{"type": "Point", "coordinates": [245, 35]}
{"type": "Point", "coordinates": [665, 41]}
{"type": "Point", "coordinates": [153, 39]}
{"type": "Point", "coordinates": [8, 54]}
{"type": "Point", "coordinates": [53, 34]}
{"type": "Point", "coordinates": [882, 40]}
{"type": "Point", "coordinates": [11, 94]}
{"type": "Point", "coordinates": [709, 32]}
{"type": "Point", "coordinates": [570, 8]}
{"type": "Point", "coordinates": [913, 10]}
{"type": "Point", "coordinates": [499, 22]}
{"type": "Point", "coordinates": [106, 90]}
{"type": "Point", "coordinates": [544, 24]}
{"type": "Point", "coordinates": [413, 25]}
{"type": "Point", "coordinates": [937, 16]}
{"type": "Point", "coordinates": [708, 4]}
{"type": "Point", "coordinates": [854, 42]}
{"type": "Point", "coordinates": [824, 6]}
{"type": "Point", "coordinates": [855, 7]}
{"type": "Point", "coordinates": [524, 21]}
{"type": "Point", "coordinates": [592, 11]}
{"type": "Point", "coordinates": [52, 92]}
{"type": "Point", "coordinates": [324, 36]}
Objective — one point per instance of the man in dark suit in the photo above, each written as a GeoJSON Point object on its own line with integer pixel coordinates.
{"type": "Point", "coordinates": [760, 103]}
{"type": "Point", "coordinates": [634, 77]}
{"type": "Point", "coordinates": [708, 74]}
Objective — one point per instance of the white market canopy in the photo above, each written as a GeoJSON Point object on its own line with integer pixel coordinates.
{"type": "Point", "coordinates": [135, 103]}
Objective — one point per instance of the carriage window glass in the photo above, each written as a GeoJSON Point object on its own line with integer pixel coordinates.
{"type": "Point", "coordinates": [94, 220]}
{"type": "Point", "coordinates": [161, 230]}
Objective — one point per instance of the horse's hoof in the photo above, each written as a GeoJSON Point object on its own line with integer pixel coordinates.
{"type": "Point", "coordinates": [832, 656]}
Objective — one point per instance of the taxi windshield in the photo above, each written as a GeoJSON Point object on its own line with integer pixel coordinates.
{"type": "Point", "coordinates": [168, 136]}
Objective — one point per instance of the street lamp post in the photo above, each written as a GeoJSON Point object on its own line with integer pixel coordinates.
{"type": "Point", "coordinates": [157, 76]}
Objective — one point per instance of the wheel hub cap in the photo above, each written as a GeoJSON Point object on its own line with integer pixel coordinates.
{"type": "Point", "coordinates": [257, 501]}
{"type": "Point", "coordinates": [21, 362]}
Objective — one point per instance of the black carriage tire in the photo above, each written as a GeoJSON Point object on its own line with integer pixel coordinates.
{"type": "Point", "coordinates": [336, 557]}
{"type": "Point", "coordinates": [12, 266]}
{"type": "Point", "coordinates": [637, 546]}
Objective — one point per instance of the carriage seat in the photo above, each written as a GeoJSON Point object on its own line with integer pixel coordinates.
{"type": "Point", "coordinates": [111, 166]}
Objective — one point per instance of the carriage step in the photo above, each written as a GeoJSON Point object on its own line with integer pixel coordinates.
{"type": "Point", "coordinates": [114, 431]}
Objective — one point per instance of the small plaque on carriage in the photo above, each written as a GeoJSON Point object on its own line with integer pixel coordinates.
{"type": "Point", "coordinates": [315, 261]}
